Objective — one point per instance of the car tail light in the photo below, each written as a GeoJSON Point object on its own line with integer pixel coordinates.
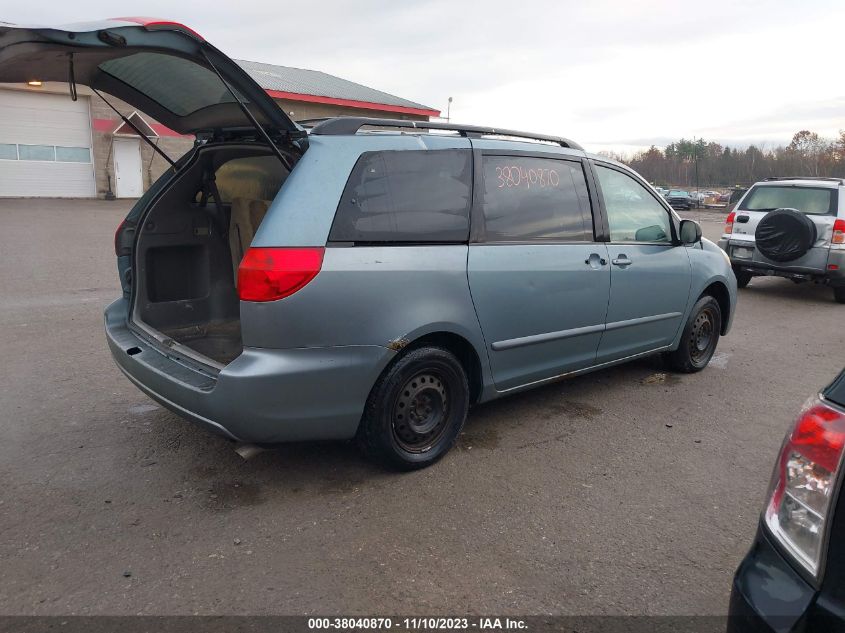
{"type": "Point", "coordinates": [729, 223]}
{"type": "Point", "coordinates": [267, 274]}
{"type": "Point", "coordinates": [799, 499]}
{"type": "Point", "coordinates": [124, 236]}
{"type": "Point", "coordinates": [838, 232]}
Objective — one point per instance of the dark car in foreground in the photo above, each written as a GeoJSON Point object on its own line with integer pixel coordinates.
{"type": "Point", "coordinates": [681, 200]}
{"type": "Point", "coordinates": [793, 579]}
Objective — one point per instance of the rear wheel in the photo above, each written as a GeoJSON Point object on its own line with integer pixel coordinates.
{"type": "Point", "coordinates": [699, 339]}
{"type": "Point", "coordinates": [416, 410]}
{"type": "Point", "coordinates": [839, 294]}
{"type": "Point", "coordinates": [743, 278]}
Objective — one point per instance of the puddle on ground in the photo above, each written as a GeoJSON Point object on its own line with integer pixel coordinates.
{"type": "Point", "coordinates": [480, 436]}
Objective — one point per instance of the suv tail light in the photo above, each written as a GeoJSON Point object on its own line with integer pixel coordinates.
{"type": "Point", "coordinates": [267, 274]}
{"type": "Point", "coordinates": [838, 232]}
{"type": "Point", "coordinates": [729, 223]}
{"type": "Point", "coordinates": [804, 481]}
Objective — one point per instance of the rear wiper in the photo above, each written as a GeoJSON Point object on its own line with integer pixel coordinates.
{"type": "Point", "coordinates": [284, 160]}
{"type": "Point", "coordinates": [137, 131]}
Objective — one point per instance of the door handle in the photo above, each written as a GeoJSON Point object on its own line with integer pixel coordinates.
{"type": "Point", "coordinates": [595, 260]}
{"type": "Point", "coordinates": [622, 261]}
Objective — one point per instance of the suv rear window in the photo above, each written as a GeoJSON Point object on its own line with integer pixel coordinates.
{"type": "Point", "coordinates": [528, 199]}
{"type": "Point", "coordinates": [811, 200]}
{"type": "Point", "coordinates": [406, 196]}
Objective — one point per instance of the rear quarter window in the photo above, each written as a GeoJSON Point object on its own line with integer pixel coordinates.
{"type": "Point", "coordinates": [406, 196]}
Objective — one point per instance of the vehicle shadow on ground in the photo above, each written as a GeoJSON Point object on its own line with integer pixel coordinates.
{"type": "Point", "coordinates": [210, 463]}
{"type": "Point", "coordinates": [777, 288]}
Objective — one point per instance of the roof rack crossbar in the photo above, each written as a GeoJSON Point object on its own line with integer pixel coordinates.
{"type": "Point", "coordinates": [841, 181]}
{"type": "Point", "coordinates": [339, 126]}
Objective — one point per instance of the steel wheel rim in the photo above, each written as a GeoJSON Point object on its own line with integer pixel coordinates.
{"type": "Point", "coordinates": [702, 335]}
{"type": "Point", "coordinates": [421, 412]}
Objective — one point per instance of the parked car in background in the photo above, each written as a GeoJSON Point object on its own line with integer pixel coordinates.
{"type": "Point", "coordinates": [793, 228]}
{"type": "Point", "coordinates": [793, 579]}
{"type": "Point", "coordinates": [680, 199]}
{"type": "Point", "coordinates": [282, 284]}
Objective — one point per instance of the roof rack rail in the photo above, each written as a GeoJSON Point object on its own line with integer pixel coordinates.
{"type": "Point", "coordinates": [339, 126]}
{"type": "Point", "coordinates": [841, 181]}
{"type": "Point", "coordinates": [314, 121]}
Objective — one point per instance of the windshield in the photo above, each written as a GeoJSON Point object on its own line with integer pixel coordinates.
{"type": "Point", "coordinates": [675, 192]}
{"type": "Point", "coordinates": [811, 200]}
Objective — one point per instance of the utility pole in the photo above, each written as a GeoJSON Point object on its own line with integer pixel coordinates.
{"type": "Point", "coordinates": [448, 108]}
{"type": "Point", "coordinates": [697, 190]}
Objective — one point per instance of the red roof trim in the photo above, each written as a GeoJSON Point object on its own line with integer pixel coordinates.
{"type": "Point", "coordinates": [152, 24]}
{"type": "Point", "coordinates": [352, 103]}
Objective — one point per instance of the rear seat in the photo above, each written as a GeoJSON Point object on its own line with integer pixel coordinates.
{"type": "Point", "coordinates": [246, 217]}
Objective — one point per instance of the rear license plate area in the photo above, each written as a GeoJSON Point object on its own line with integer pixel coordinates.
{"type": "Point", "coordinates": [741, 252]}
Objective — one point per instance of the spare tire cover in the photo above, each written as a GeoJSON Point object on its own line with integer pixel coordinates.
{"type": "Point", "coordinates": [785, 234]}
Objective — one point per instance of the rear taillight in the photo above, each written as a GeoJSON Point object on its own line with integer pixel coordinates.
{"type": "Point", "coordinates": [799, 500]}
{"type": "Point", "coordinates": [117, 237]}
{"type": "Point", "coordinates": [729, 223]}
{"type": "Point", "coordinates": [838, 236]}
{"type": "Point", "coordinates": [267, 274]}
{"type": "Point", "coordinates": [124, 237]}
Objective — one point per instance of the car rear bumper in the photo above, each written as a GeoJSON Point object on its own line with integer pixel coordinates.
{"type": "Point", "coordinates": [832, 271]}
{"type": "Point", "coordinates": [767, 594]}
{"type": "Point", "coordinates": [265, 396]}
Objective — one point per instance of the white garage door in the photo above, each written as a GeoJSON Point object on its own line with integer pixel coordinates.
{"type": "Point", "coordinates": [45, 146]}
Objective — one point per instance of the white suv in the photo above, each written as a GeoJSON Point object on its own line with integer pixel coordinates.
{"type": "Point", "coordinates": [789, 227]}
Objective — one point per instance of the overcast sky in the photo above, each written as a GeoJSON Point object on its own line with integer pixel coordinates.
{"type": "Point", "coordinates": [610, 74]}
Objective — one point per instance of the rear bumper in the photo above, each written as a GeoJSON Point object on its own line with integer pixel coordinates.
{"type": "Point", "coordinates": [768, 594]}
{"type": "Point", "coordinates": [834, 277]}
{"type": "Point", "coordinates": [264, 396]}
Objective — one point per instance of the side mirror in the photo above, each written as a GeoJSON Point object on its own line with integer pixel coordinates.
{"type": "Point", "coordinates": [690, 232]}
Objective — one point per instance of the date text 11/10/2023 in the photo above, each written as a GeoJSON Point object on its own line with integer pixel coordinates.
{"type": "Point", "coordinates": [418, 623]}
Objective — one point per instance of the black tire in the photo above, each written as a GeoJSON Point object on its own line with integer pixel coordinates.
{"type": "Point", "coordinates": [839, 294]}
{"type": "Point", "coordinates": [785, 235]}
{"type": "Point", "coordinates": [743, 277]}
{"type": "Point", "coordinates": [699, 339]}
{"type": "Point", "coordinates": [416, 410]}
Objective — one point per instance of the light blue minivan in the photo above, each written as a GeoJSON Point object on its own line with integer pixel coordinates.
{"type": "Point", "coordinates": [364, 278]}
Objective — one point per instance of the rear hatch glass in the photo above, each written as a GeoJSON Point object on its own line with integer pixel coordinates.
{"type": "Point", "coordinates": [809, 200]}
{"type": "Point", "coordinates": [160, 68]}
